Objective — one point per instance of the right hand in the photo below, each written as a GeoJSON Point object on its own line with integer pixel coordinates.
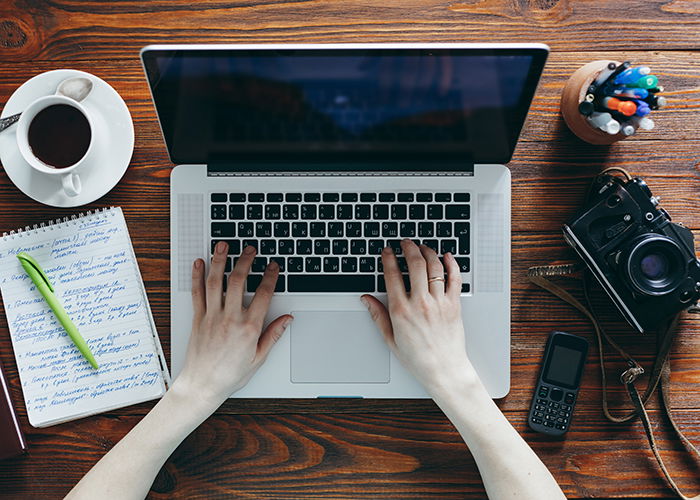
{"type": "Point", "coordinates": [423, 329]}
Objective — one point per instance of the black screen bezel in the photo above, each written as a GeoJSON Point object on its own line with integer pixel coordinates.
{"type": "Point", "coordinates": [432, 159]}
{"type": "Point", "coordinates": [570, 342]}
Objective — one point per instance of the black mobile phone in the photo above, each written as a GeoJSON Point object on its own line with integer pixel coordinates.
{"type": "Point", "coordinates": [558, 383]}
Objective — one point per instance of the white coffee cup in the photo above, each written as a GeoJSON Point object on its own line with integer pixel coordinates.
{"type": "Point", "coordinates": [70, 179]}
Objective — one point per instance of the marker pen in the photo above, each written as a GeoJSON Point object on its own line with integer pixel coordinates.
{"type": "Point", "coordinates": [632, 75]}
{"type": "Point", "coordinates": [627, 129]}
{"type": "Point", "coordinates": [604, 122]}
{"type": "Point", "coordinates": [627, 108]}
{"type": "Point", "coordinates": [586, 108]}
{"type": "Point", "coordinates": [642, 122]}
{"type": "Point", "coordinates": [613, 127]}
{"type": "Point", "coordinates": [630, 92]}
{"type": "Point", "coordinates": [645, 82]}
{"type": "Point", "coordinates": [643, 108]}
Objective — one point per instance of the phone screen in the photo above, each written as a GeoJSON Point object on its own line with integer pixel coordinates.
{"type": "Point", "coordinates": [563, 367]}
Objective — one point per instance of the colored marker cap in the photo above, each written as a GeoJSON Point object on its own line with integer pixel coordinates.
{"type": "Point", "coordinates": [646, 123]}
{"type": "Point", "coordinates": [612, 127]}
{"type": "Point", "coordinates": [627, 129]}
{"type": "Point", "coordinates": [643, 109]}
{"type": "Point", "coordinates": [645, 82]}
{"type": "Point", "coordinates": [632, 74]}
{"type": "Point", "coordinates": [586, 108]}
{"type": "Point", "coordinates": [627, 108]}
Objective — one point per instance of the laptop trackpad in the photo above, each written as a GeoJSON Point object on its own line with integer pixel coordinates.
{"type": "Point", "coordinates": [337, 347]}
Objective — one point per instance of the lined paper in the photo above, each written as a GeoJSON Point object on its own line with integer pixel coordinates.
{"type": "Point", "coordinates": [91, 265]}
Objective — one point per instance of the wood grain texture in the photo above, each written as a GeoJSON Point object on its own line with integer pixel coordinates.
{"type": "Point", "coordinates": [77, 30]}
{"type": "Point", "coordinates": [353, 456]}
{"type": "Point", "coordinates": [291, 449]}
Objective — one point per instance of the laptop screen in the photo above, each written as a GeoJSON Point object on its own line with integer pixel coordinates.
{"type": "Point", "coordinates": [235, 105]}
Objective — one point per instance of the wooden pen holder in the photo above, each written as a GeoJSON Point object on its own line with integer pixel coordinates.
{"type": "Point", "coordinates": [573, 94]}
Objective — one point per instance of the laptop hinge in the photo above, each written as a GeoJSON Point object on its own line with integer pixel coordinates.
{"type": "Point", "coordinates": [334, 169]}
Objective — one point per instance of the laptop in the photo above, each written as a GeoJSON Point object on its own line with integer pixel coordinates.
{"type": "Point", "coordinates": [321, 155]}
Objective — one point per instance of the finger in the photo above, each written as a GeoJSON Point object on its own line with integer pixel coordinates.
{"type": "Point", "coordinates": [215, 279]}
{"type": "Point", "coordinates": [271, 335]}
{"type": "Point", "coordinates": [435, 270]}
{"type": "Point", "coordinates": [454, 278]}
{"type": "Point", "coordinates": [237, 280]}
{"type": "Point", "coordinates": [199, 296]}
{"type": "Point", "coordinates": [381, 318]}
{"type": "Point", "coordinates": [263, 295]}
{"type": "Point", "coordinates": [417, 273]}
{"type": "Point", "coordinates": [395, 288]}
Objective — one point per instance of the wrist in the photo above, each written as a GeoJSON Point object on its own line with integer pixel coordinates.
{"type": "Point", "coordinates": [199, 400]}
{"type": "Point", "coordinates": [459, 383]}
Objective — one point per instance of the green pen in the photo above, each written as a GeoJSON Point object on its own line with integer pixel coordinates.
{"type": "Point", "coordinates": [43, 284]}
{"type": "Point", "coordinates": [645, 82]}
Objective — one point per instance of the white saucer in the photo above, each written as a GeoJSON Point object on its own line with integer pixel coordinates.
{"type": "Point", "coordinates": [114, 142]}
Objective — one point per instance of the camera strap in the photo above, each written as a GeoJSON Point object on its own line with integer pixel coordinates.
{"type": "Point", "coordinates": [660, 374]}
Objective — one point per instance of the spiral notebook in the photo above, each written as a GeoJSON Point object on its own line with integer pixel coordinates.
{"type": "Point", "coordinates": [91, 264]}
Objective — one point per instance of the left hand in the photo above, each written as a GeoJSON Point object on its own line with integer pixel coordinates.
{"type": "Point", "coordinates": [226, 346]}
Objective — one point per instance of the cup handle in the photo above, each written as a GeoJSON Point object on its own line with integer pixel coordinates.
{"type": "Point", "coordinates": [71, 184]}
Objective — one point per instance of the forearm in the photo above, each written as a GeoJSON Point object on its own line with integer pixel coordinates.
{"type": "Point", "coordinates": [130, 467]}
{"type": "Point", "coordinates": [508, 466]}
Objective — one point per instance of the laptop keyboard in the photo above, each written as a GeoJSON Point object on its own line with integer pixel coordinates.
{"type": "Point", "coordinates": [331, 242]}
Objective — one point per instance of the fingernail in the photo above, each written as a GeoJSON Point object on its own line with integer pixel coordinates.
{"type": "Point", "coordinates": [365, 302]}
{"type": "Point", "coordinates": [387, 250]}
{"type": "Point", "coordinates": [249, 249]}
{"type": "Point", "coordinates": [287, 322]}
{"type": "Point", "coordinates": [197, 264]}
{"type": "Point", "coordinates": [272, 265]}
{"type": "Point", "coordinates": [221, 247]}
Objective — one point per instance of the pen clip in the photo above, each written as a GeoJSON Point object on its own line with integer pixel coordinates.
{"type": "Point", "coordinates": [28, 260]}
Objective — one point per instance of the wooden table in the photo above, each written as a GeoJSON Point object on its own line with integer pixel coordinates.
{"type": "Point", "coordinates": [382, 449]}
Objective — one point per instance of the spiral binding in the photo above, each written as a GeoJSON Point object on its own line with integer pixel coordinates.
{"type": "Point", "coordinates": [62, 221]}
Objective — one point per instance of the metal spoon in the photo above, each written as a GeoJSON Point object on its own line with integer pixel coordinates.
{"type": "Point", "coordinates": [76, 88]}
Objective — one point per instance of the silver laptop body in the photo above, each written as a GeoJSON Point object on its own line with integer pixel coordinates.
{"type": "Point", "coordinates": [333, 349]}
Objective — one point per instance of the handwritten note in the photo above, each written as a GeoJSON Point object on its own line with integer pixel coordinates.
{"type": "Point", "coordinates": [91, 264]}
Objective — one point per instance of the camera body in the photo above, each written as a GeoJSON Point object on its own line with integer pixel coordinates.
{"type": "Point", "coordinates": [645, 262]}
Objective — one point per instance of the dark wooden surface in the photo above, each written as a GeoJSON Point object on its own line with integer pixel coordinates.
{"type": "Point", "coordinates": [381, 449]}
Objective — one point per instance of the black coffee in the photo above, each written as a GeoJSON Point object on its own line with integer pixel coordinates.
{"type": "Point", "coordinates": [59, 135]}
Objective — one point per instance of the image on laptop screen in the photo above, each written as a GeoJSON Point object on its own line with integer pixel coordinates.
{"type": "Point", "coordinates": [229, 105]}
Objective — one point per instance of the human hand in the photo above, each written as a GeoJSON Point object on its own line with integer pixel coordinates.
{"type": "Point", "coordinates": [424, 328]}
{"type": "Point", "coordinates": [226, 346]}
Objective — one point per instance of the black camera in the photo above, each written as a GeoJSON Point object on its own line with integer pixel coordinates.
{"type": "Point", "coordinates": [645, 262]}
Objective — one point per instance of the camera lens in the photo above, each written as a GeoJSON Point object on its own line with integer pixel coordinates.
{"type": "Point", "coordinates": [655, 265]}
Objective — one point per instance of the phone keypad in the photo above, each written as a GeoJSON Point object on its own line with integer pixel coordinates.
{"type": "Point", "coordinates": [550, 411]}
